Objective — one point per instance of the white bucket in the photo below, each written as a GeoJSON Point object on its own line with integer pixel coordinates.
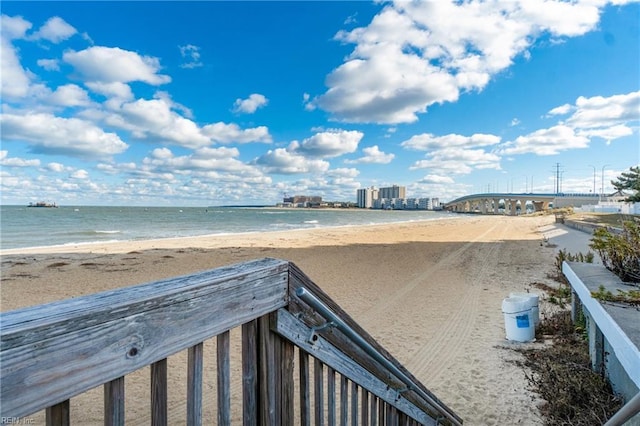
{"type": "Point", "coordinates": [517, 319]}
{"type": "Point", "coordinates": [533, 302]}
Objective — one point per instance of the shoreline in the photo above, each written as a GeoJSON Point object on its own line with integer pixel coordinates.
{"type": "Point", "coordinates": [115, 246]}
{"type": "Point", "coordinates": [93, 229]}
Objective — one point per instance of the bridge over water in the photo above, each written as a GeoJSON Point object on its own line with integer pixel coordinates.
{"type": "Point", "coordinates": [491, 203]}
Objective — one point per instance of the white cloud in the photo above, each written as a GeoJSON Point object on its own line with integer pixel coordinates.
{"type": "Point", "coordinates": [112, 64]}
{"type": "Point", "coordinates": [80, 174]}
{"type": "Point", "coordinates": [561, 110]}
{"type": "Point", "coordinates": [546, 142]}
{"type": "Point", "coordinates": [70, 95]}
{"type": "Point", "coordinates": [62, 136]}
{"type": "Point", "coordinates": [608, 118]}
{"type": "Point", "coordinates": [7, 161]}
{"type": "Point", "coordinates": [607, 133]}
{"type": "Point", "coordinates": [156, 120]}
{"type": "Point", "coordinates": [116, 89]}
{"type": "Point", "coordinates": [428, 141]}
{"type": "Point", "coordinates": [415, 54]}
{"type": "Point", "coordinates": [251, 104]}
{"type": "Point", "coordinates": [329, 144]}
{"type": "Point", "coordinates": [373, 155]}
{"type": "Point", "coordinates": [56, 167]}
{"type": "Point", "coordinates": [343, 173]}
{"type": "Point", "coordinates": [49, 64]}
{"type": "Point", "coordinates": [232, 133]}
{"type": "Point", "coordinates": [281, 161]}
{"type": "Point", "coordinates": [437, 179]}
{"type": "Point", "coordinates": [205, 159]}
{"type": "Point", "coordinates": [458, 160]}
{"type": "Point", "coordinates": [599, 111]}
{"type": "Point", "coordinates": [13, 27]}
{"type": "Point", "coordinates": [454, 153]}
{"type": "Point", "coordinates": [191, 54]}
{"type": "Point", "coordinates": [55, 30]}
{"type": "Point", "coordinates": [15, 80]}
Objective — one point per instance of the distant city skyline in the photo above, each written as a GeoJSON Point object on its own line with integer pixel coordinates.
{"type": "Point", "coordinates": [235, 103]}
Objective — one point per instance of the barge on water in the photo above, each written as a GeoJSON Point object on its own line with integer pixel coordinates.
{"type": "Point", "coordinates": [43, 204]}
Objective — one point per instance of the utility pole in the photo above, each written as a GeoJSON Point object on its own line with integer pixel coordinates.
{"type": "Point", "coordinates": [594, 178]}
{"type": "Point", "coordinates": [557, 178]}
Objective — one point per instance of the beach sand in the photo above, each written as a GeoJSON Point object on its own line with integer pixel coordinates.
{"type": "Point", "coordinates": [430, 292]}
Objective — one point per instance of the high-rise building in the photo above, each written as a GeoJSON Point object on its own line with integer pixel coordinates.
{"type": "Point", "coordinates": [366, 197]}
{"type": "Point", "coordinates": [394, 191]}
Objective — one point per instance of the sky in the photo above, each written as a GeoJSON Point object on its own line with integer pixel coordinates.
{"type": "Point", "coordinates": [242, 103]}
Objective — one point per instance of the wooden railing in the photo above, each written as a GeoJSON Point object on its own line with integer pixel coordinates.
{"type": "Point", "coordinates": [54, 352]}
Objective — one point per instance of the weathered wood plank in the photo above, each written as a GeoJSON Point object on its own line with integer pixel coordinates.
{"type": "Point", "coordinates": [344, 400]}
{"type": "Point", "coordinates": [331, 396]}
{"type": "Point", "coordinates": [250, 374]}
{"type": "Point", "coordinates": [194, 385]}
{"type": "Point", "coordinates": [354, 404]}
{"type": "Point", "coordinates": [223, 367]}
{"type": "Point", "coordinates": [65, 316]}
{"type": "Point", "coordinates": [374, 410]}
{"type": "Point", "coordinates": [114, 402]}
{"type": "Point", "coordinates": [318, 391]}
{"type": "Point", "coordinates": [268, 413]}
{"type": "Point", "coordinates": [294, 330]}
{"type": "Point", "coordinates": [56, 351]}
{"type": "Point", "coordinates": [365, 408]}
{"type": "Point", "coordinates": [288, 391]}
{"type": "Point", "coordinates": [58, 414]}
{"type": "Point", "coordinates": [305, 410]}
{"type": "Point", "coordinates": [276, 367]}
{"type": "Point", "coordinates": [159, 393]}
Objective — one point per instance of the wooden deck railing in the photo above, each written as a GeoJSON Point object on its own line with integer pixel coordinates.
{"type": "Point", "coordinates": [298, 366]}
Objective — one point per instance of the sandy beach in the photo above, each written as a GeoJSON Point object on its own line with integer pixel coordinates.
{"type": "Point", "coordinates": [429, 292]}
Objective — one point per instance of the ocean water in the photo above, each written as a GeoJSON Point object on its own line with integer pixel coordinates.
{"type": "Point", "coordinates": [22, 227]}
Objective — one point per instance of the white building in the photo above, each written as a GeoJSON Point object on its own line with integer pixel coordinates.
{"type": "Point", "coordinates": [393, 197]}
{"type": "Point", "coordinates": [366, 197]}
{"type": "Point", "coordinates": [423, 204]}
{"type": "Point", "coordinates": [398, 203]}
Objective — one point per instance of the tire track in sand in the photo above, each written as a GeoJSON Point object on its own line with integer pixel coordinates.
{"type": "Point", "coordinates": [428, 361]}
{"type": "Point", "coordinates": [389, 306]}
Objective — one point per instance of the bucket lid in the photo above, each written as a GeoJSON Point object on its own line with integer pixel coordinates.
{"type": "Point", "coordinates": [532, 297]}
{"type": "Point", "coordinates": [511, 305]}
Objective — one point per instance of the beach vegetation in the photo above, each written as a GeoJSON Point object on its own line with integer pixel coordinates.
{"type": "Point", "coordinates": [614, 220]}
{"type": "Point", "coordinates": [557, 274]}
{"type": "Point", "coordinates": [631, 297]}
{"type": "Point", "coordinates": [620, 251]}
{"type": "Point", "coordinates": [561, 374]}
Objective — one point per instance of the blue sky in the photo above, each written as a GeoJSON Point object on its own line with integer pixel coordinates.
{"type": "Point", "coordinates": [211, 103]}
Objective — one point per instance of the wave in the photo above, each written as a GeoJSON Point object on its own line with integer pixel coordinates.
{"type": "Point", "coordinates": [311, 221]}
{"type": "Point", "coordinates": [107, 232]}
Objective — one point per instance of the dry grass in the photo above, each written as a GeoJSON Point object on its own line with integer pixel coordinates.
{"type": "Point", "coordinates": [603, 219]}
{"type": "Point", "coordinates": [561, 374]}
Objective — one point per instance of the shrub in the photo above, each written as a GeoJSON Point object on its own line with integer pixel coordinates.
{"type": "Point", "coordinates": [620, 253]}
